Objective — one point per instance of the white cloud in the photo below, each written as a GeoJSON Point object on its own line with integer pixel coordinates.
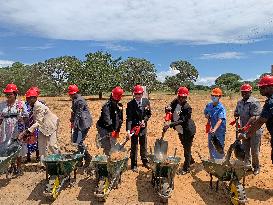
{"type": "Point", "coordinates": [163, 74]}
{"type": "Point", "coordinates": [4, 63]}
{"type": "Point", "coordinates": [33, 48]}
{"type": "Point", "coordinates": [206, 21]}
{"type": "Point", "coordinates": [206, 80]}
{"type": "Point", "coordinates": [223, 55]}
{"type": "Point", "coordinates": [112, 46]}
{"type": "Point", "coordinates": [262, 52]}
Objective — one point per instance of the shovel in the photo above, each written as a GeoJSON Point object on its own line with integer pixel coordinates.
{"type": "Point", "coordinates": [119, 147]}
{"type": "Point", "coordinates": [239, 151]}
{"type": "Point", "coordinates": [161, 148]}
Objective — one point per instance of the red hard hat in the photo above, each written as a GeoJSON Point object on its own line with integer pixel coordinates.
{"type": "Point", "coordinates": [36, 89]}
{"type": "Point", "coordinates": [72, 89]}
{"type": "Point", "coordinates": [117, 93]}
{"type": "Point", "coordinates": [31, 93]}
{"type": "Point", "coordinates": [246, 87]}
{"type": "Point", "coordinates": [138, 89]}
{"type": "Point", "coordinates": [10, 88]}
{"type": "Point", "coordinates": [183, 91]}
{"type": "Point", "coordinates": [266, 80]}
{"type": "Point", "coordinates": [216, 92]}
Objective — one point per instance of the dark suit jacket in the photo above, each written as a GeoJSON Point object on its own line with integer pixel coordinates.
{"type": "Point", "coordinates": [185, 120]}
{"type": "Point", "coordinates": [111, 117]}
{"type": "Point", "coordinates": [80, 116]}
{"type": "Point", "coordinates": [135, 114]}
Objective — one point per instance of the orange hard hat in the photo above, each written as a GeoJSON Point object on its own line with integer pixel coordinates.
{"type": "Point", "coordinates": [246, 87]}
{"type": "Point", "coordinates": [10, 88]}
{"type": "Point", "coordinates": [117, 93]}
{"type": "Point", "coordinates": [31, 93]}
{"type": "Point", "coordinates": [73, 89]}
{"type": "Point", "coordinates": [138, 89]}
{"type": "Point", "coordinates": [36, 89]}
{"type": "Point", "coordinates": [266, 80]}
{"type": "Point", "coordinates": [183, 91]}
{"type": "Point", "coordinates": [217, 92]}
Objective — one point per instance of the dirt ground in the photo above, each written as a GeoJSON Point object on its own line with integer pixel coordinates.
{"type": "Point", "coordinates": [136, 188]}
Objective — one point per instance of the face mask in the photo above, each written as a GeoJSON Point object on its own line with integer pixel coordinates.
{"type": "Point", "coordinates": [215, 99]}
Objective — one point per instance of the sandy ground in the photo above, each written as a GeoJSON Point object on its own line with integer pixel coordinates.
{"type": "Point", "coordinates": [136, 187]}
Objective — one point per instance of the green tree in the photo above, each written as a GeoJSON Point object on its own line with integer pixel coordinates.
{"type": "Point", "coordinates": [186, 76]}
{"type": "Point", "coordinates": [229, 82]}
{"type": "Point", "coordinates": [56, 73]}
{"type": "Point", "coordinates": [137, 71]}
{"type": "Point", "coordinates": [98, 73]}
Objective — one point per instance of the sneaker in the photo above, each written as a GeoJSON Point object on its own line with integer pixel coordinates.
{"type": "Point", "coordinates": [192, 161]}
{"type": "Point", "coordinates": [184, 171]}
{"type": "Point", "coordinates": [134, 169]}
{"type": "Point", "coordinates": [256, 171]}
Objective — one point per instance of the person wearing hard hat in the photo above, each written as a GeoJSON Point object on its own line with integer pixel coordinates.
{"type": "Point", "coordinates": [110, 121]}
{"type": "Point", "coordinates": [248, 109]}
{"type": "Point", "coordinates": [182, 122]}
{"type": "Point", "coordinates": [266, 89]}
{"type": "Point", "coordinates": [13, 118]}
{"type": "Point", "coordinates": [81, 121]}
{"type": "Point", "coordinates": [138, 113]}
{"type": "Point", "coordinates": [32, 141]}
{"type": "Point", "coordinates": [215, 112]}
{"type": "Point", "coordinates": [46, 122]}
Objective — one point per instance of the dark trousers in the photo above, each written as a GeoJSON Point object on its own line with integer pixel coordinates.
{"type": "Point", "coordinates": [186, 141]}
{"type": "Point", "coordinates": [79, 137]}
{"type": "Point", "coordinates": [142, 140]}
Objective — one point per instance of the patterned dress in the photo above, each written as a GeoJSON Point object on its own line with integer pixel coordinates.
{"type": "Point", "coordinates": [32, 144]}
{"type": "Point", "coordinates": [12, 119]}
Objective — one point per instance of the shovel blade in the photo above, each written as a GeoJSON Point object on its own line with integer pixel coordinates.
{"type": "Point", "coordinates": [161, 149]}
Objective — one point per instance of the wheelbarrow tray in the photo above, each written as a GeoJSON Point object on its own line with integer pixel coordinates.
{"type": "Point", "coordinates": [222, 169]}
{"type": "Point", "coordinates": [106, 167]}
{"type": "Point", "coordinates": [9, 155]}
{"type": "Point", "coordinates": [62, 164]}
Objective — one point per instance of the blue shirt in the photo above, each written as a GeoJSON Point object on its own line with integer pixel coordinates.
{"type": "Point", "coordinates": [215, 113]}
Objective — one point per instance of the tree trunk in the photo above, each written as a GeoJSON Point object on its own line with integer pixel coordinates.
{"type": "Point", "coordinates": [100, 95]}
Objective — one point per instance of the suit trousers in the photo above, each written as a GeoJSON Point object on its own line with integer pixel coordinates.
{"type": "Point", "coordinates": [186, 141]}
{"type": "Point", "coordinates": [47, 143]}
{"type": "Point", "coordinates": [252, 145]}
{"type": "Point", "coordinates": [142, 140]}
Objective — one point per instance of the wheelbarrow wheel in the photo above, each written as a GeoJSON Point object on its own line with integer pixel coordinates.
{"type": "Point", "coordinates": [55, 188]}
{"type": "Point", "coordinates": [237, 193]}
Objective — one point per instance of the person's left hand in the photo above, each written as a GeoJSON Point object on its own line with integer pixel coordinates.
{"type": "Point", "coordinates": [212, 131]}
{"type": "Point", "coordinates": [165, 128]}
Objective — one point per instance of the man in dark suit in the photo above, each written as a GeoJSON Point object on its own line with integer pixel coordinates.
{"type": "Point", "coordinates": [181, 121]}
{"type": "Point", "coordinates": [81, 121]}
{"type": "Point", "coordinates": [138, 113]}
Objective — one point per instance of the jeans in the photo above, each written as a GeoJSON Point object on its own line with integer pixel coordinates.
{"type": "Point", "coordinates": [79, 137]}
{"type": "Point", "coordinates": [212, 151]}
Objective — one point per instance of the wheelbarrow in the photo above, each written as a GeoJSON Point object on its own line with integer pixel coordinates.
{"type": "Point", "coordinates": [163, 169]}
{"type": "Point", "coordinates": [59, 168]}
{"type": "Point", "coordinates": [108, 174]}
{"type": "Point", "coordinates": [9, 151]}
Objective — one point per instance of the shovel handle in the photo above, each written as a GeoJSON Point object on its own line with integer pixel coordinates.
{"type": "Point", "coordinates": [162, 135]}
{"type": "Point", "coordinates": [174, 152]}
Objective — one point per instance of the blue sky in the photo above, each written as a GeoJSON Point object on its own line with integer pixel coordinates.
{"type": "Point", "coordinates": [215, 36]}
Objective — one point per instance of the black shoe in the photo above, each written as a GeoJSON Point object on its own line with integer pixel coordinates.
{"type": "Point", "coordinates": [192, 161]}
{"type": "Point", "coordinates": [147, 166]}
{"type": "Point", "coordinates": [134, 169]}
